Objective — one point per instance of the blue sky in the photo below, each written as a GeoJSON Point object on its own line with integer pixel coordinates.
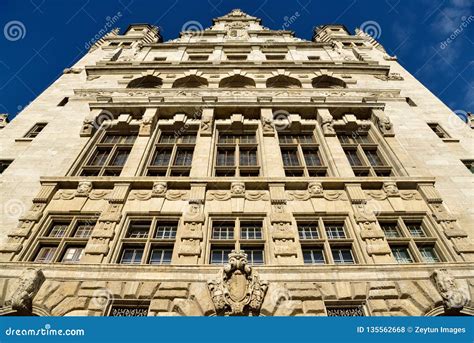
{"type": "Point", "coordinates": [433, 39]}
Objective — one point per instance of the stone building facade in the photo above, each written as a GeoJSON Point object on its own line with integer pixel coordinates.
{"type": "Point", "coordinates": [236, 170]}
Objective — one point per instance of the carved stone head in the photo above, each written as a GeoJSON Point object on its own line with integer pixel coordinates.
{"type": "Point", "coordinates": [28, 285]}
{"type": "Point", "coordinates": [159, 188]}
{"type": "Point", "coordinates": [315, 188]}
{"type": "Point", "coordinates": [237, 188]}
{"type": "Point", "coordinates": [84, 188]}
{"type": "Point", "coordinates": [454, 297]}
{"type": "Point", "coordinates": [390, 188]}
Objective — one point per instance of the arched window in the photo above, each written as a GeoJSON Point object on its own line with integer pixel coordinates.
{"type": "Point", "coordinates": [326, 81]}
{"type": "Point", "coordinates": [146, 82]}
{"type": "Point", "coordinates": [237, 81]}
{"type": "Point", "coordinates": [283, 81]}
{"type": "Point", "coordinates": [191, 81]}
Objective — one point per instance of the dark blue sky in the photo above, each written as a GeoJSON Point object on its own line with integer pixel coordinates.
{"type": "Point", "coordinates": [51, 35]}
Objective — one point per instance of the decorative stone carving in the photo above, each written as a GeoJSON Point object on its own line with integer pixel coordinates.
{"type": "Point", "coordinates": [327, 123]}
{"type": "Point", "coordinates": [206, 126]}
{"type": "Point", "coordinates": [256, 195]}
{"type": "Point", "coordinates": [238, 289]}
{"type": "Point", "coordinates": [390, 77]}
{"type": "Point", "coordinates": [315, 189]}
{"type": "Point", "coordinates": [454, 297]}
{"type": "Point", "coordinates": [88, 127]}
{"type": "Point", "coordinates": [383, 122]}
{"type": "Point", "coordinates": [175, 194]}
{"type": "Point", "coordinates": [218, 195]}
{"type": "Point", "coordinates": [159, 189]}
{"type": "Point", "coordinates": [267, 125]}
{"type": "Point", "coordinates": [237, 189]}
{"type": "Point", "coordinates": [146, 126]}
{"type": "Point", "coordinates": [83, 189]}
{"type": "Point", "coordinates": [72, 71]}
{"type": "Point", "coordinates": [28, 285]}
{"type": "Point", "coordinates": [390, 188]}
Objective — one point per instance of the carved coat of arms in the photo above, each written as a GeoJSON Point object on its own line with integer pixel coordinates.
{"type": "Point", "coordinates": [237, 290]}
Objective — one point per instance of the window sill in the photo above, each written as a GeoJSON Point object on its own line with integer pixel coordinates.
{"type": "Point", "coordinates": [450, 140]}
{"type": "Point", "coordinates": [23, 139]}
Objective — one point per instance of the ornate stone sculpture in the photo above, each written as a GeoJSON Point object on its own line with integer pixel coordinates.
{"type": "Point", "coordinates": [159, 189]}
{"type": "Point", "coordinates": [315, 189]}
{"type": "Point", "coordinates": [454, 297]}
{"type": "Point", "coordinates": [267, 125]}
{"type": "Point", "coordinates": [237, 290]}
{"type": "Point", "coordinates": [390, 188]}
{"type": "Point", "coordinates": [84, 188]}
{"type": "Point", "coordinates": [28, 285]}
{"type": "Point", "coordinates": [237, 189]}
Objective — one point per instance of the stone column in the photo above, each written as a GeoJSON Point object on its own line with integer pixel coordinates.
{"type": "Point", "coordinates": [139, 149]}
{"type": "Point", "coordinates": [337, 155]}
{"type": "Point", "coordinates": [272, 163]}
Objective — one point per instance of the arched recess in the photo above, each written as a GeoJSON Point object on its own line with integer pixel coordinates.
{"type": "Point", "coordinates": [326, 81]}
{"type": "Point", "coordinates": [191, 81]}
{"type": "Point", "coordinates": [35, 312]}
{"type": "Point", "coordinates": [148, 81]}
{"type": "Point", "coordinates": [237, 81]}
{"type": "Point", "coordinates": [440, 311]}
{"type": "Point", "coordinates": [283, 81]}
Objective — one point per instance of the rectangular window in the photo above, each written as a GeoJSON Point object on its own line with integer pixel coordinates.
{"type": "Point", "coordinates": [161, 256]}
{"type": "Point", "coordinates": [139, 229]}
{"type": "Point", "coordinates": [373, 158]}
{"type": "Point", "coordinates": [166, 230]}
{"type": "Point", "coordinates": [132, 256]}
{"type": "Point", "coordinates": [335, 231]}
{"type": "Point", "coordinates": [312, 158]}
{"type": "Point", "coordinates": [109, 155]}
{"type": "Point", "coordinates": [390, 229]}
{"type": "Point", "coordinates": [220, 255]}
{"type": "Point", "coordinates": [354, 160]}
{"type": "Point", "coordinates": [308, 231]}
{"type": "Point", "coordinates": [468, 163]}
{"type": "Point", "coordinates": [314, 256]}
{"type": "Point", "coordinates": [290, 158]}
{"type": "Point", "coordinates": [428, 254]}
{"type": "Point", "coordinates": [84, 229]}
{"type": "Point", "coordinates": [237, 155]}
{"type": "Point", "coordinates": [250, 231]}
{"type": "Point", "coordinates": [35, 130]}
{"type": "Point", "coordinates": [45, 254]}
{"type": "Point", "coordinates": [73, 255]}
{"type": "Point", "coordinates": [255, 255]}
{"type": "Point", "coordinates": [440, 132]}
{"type": "Point", "coordinates": [58, 230]}
{"type": "Point", "coordinates": [342, 256]}
{"type": "Point", "coordinates": [173, 155]}
{"type": "Point", "coordinates": [223, 230]}
{"type": "Point", "coordinates": [402, 255]}
{"type": "Point", "coordinates": [415, 229]}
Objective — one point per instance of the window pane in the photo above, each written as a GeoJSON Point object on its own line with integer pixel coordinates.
{"type": "Point", "coordinates": [313, 256]}
{"type": "Point", "coordinates": [58, 230]}
{"type": "Point", "coordinates": [248, 139]}
{"type": "Point", "coordinates": [353, 158]}
{"type": "Point", "coordinates": [167, 138]}
{"type": "Point", "coordinates": [390, 230]}
{"type": "Point", "coordinates": [226, 139]}
{"type": "Point", "coordinates": [402, 255]}
{"type": "Point", "coordinates": [308, 231]}
{"type": "Point", "coordinates": [162, 157]}
{"type": "Point", "coordinates": [311, 158]}
{"type": "Point", "coordinates": [45, 254]}
{"type": "Point", "coordinates": [220, 256]}
{"type": "Point", "coordinates": [120, 158]}
{"type": "Point", "coordinates": [225, 158]}
{"type": "Point", "coordinates": [99, 157]}
{"type": "Point", "coordinates": [415, 229]}
{"type": "Point", "coordinates": [362, 139]}
{"type": "Point", "coordinates": [373, 158]}
{"type": "Point", "coordinates": [73, 255]}
{"type": "Point", "coordinates": [188, 139]}
{"type": "Point", "coordinates": [161, 256]}
{"type": "Point", "coordinates": [286, 139]}
{"type": "Point", "coordinates": [342, 256]}
{"type": "Point", "coordinates": [165, 230]}
{"type": "Point", "coordinates": [138, 229]}
{"type": "Point", "coordinates": [248, 158]}
{"type": "Point", "coordinates": [223, 230]}
{"type": "Point", "coordinates": [183, 157]}
{"type": "Point", "coordinates": [132, 256]}
{"type": "Point", "coordinates": [335, 231]}
{"type": "Point", "coordinates": [251, 231]}
{"type": "Point", "coordinates": [84, 229]}
{"type": "Point", "coordinates": [255, 256]}
{"type": "Point", "coordinates": [428, 254]}
{"type": "Point", "coordinates": [305, 139]}
{"type": "Point", "coordinates": [290, 158]}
